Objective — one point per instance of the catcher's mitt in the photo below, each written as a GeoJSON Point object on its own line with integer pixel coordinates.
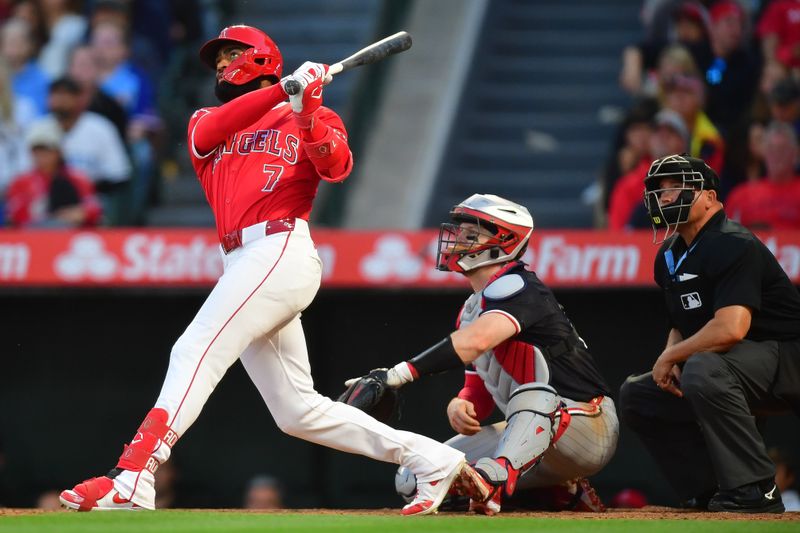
{"type": "Point", "coordinates": [372, 395]}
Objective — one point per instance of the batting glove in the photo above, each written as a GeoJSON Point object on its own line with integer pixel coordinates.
{"type": "Point", "coordinates": [311, 77]}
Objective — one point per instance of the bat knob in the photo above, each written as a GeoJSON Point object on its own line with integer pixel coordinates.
{"type": "Point", "coordinates": [292, 87]}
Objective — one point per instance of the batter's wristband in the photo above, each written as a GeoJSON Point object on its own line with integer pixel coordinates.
{"type": "Point", "coordinates": [440, 357]}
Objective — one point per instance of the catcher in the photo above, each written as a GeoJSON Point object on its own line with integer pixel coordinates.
{"type": "Point", "coordinates": [523, 355]}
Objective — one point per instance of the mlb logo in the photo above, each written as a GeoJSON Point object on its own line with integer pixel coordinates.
{"type": "Point", "coordinates": [691, 300]}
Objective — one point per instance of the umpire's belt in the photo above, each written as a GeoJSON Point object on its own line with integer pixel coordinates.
{"type": "Point", "coordinates": [237, 238]}
{"type": "Point", "coordinates": [561, 347]}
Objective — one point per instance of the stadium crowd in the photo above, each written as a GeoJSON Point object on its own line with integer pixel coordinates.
{"type": "Point", "coordinates": [717, 79]}
{"type": "Point", "coordinates": [84, 129]}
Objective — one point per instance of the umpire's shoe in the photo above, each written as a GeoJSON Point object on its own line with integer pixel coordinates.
{"type": "Point", "coordinates": [763, 497]}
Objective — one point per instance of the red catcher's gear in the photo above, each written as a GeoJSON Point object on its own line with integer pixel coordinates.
{"type": "Point", "coordinates": [262, 57]}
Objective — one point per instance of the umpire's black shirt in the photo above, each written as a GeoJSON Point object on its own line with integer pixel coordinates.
{"type": "Point", "coordinates": [726, 265]}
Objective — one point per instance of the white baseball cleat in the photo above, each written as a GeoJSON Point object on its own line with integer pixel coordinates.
{"type": "Point", "coordinates": [463, 479]}
{"type": "Point", "coordinates": [96, 494]}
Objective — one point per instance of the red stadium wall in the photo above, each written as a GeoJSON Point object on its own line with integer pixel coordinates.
{"type": "Point", "coordinates": [375, 259]}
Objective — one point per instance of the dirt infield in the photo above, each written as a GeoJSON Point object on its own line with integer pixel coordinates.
{"type": "Point", "coordinates": [646, 513]}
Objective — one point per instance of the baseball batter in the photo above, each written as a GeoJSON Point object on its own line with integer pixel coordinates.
{"type": "Point", "coordinates": [260, 161]}
{"type": "Point", "coordinates": [523, 356]}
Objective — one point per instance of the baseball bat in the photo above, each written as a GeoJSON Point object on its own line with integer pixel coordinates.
{"type": "Point", "coordinates": [393, 44]}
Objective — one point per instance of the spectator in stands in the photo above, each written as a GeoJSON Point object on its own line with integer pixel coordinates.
{"type": "Point", "coordinates": [784, 102]}
{"type": "Point", "coordinates": [631, 145]}
{"type": "Point", "coordinates": [733, 75]}
{"type": "Point", "coordinates": [731, 85]}
{"type": "Point", "coordinates": [773, 202]}
{"type": "Point", "coordinates": [29, 82]}
{"type": "Point", "coordinates": [785, 479]}
{"type": "Point", "coordinates": [264, 492]}
{"type": "Point", "coordinates": [146, 25]}
{"type": "Point", "coordinates": [674, 60]}
{"type": "Point", "coordinates": [755, 167]}
{"type": "Point", "coordinates": [14, 156]}
{"type": "Point", "coordinates": [779, 30]}
{"type": "Point", "coordinates": [83, 69]}
{"type": "Point", "coordinates": [118, 76]}
{"type": "Point", "coordinates": [686, 96]}
{"type": "Point", "coordinates": [690, 27]}
{"type": "Point", "coordinates": [31, 12]}
{"type": "Point", "coordinates": [52, 194]}
{"type": "Point", "coordinates": [131, 88]}
{"type": "Point", "coordinates": [670, 136]}
{"type": "Point", "coordinates": [92, 146]}
{"type": "Point", "coordinates": [66, 29]}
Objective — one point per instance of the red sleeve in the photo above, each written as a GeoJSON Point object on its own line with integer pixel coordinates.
{"type": "Point", "coordinates": [89, 200]}
{"type": "Point", "coordinates": [625, 196]}
{"type": "Point", "coordinates": [475, 391]}
{"type": "Point", "coordinates": [17, 202]}
{"type": "Point", "coordinates": [325, 144]}
{"type": "Point", "coordinates": [210, 126]}
{"type": "Point", "coordinates": [770, 22]}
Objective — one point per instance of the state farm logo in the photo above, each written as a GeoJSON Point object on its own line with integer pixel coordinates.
{"type": "Point", "coordinates": [86, 258]}
{"type": "Point", "coordinates": [394, 258]}
{"type": "Point", "coordinates": [556, 259]}
{"type": "Point", "coordinates": [143, 257]}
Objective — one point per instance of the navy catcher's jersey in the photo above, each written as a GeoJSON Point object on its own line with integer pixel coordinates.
{"type": "Point", "coordinates": [726, 265]}
{"type": "Point", "coordinates": [541, 323]}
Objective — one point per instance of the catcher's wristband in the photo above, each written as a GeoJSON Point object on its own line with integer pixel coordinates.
{"type": "Point", "coordinates": [440, 357]}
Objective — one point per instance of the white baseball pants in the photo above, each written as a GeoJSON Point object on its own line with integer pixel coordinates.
{"type": "Point", "coordinates": [253, 313]}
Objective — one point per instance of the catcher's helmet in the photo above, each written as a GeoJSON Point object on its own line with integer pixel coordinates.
{"type": "Point", "coordinates": [502, 234]}
{"type": "Point", "coordinates": [693, 175]}
{"type": "Point", "coordinates": [262, 57]}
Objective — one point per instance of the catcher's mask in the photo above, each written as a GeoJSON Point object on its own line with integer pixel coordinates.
{"type": "Point", "coordinates": [689, 176]}
{"type": "Point", "coordinates": [486, 230]}
{"type": "Point", "coordinates": [261, 58]}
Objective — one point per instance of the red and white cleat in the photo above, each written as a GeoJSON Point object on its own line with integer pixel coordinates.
{"type": "Point", "coordinates": [96, 494]}
{"type": "Point", "coordinates": [463, 479]}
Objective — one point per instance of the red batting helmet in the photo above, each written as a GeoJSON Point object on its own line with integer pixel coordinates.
{"type": "Point", "coordinates": [262, 57]}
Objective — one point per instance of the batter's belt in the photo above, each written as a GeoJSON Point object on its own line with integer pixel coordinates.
{"type": "Point", "coordinates": [235, 239]}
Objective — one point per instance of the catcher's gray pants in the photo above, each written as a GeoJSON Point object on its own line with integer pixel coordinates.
{"type": "Point", "coordinates": [709, 438]}
{"type": "Point", "coordinates": [585, 447]}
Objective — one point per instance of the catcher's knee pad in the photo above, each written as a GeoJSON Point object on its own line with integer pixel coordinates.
{"type": "Point", "coordinates": [530, 419]}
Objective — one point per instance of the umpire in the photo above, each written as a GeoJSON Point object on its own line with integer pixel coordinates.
{"type": "Point", "coordinates": [733, 350]}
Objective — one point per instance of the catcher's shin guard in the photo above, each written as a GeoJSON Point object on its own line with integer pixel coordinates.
{"type": "Point", "coordinates": [531, 418]}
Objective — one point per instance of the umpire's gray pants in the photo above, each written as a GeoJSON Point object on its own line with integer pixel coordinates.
{"type": "Point", "coordinates": [708, 439]}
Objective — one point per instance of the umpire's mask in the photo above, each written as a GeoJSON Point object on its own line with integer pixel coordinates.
{"type": "Point", "coordinates": [689, 175]}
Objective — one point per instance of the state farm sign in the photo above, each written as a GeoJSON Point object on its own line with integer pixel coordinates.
{"type": "Point", "coordinates": [143, 257]}
{"type": "Point", "coordinates": [389, 259]}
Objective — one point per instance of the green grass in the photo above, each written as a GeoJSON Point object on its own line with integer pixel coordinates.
{"type": "Point", "coordinates": [233, 522]}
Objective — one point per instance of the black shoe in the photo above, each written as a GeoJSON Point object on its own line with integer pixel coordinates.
{"type": "Point", "coordinates": [761, 497]}
{"type": "Point", "coordinates": [698, 503]}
